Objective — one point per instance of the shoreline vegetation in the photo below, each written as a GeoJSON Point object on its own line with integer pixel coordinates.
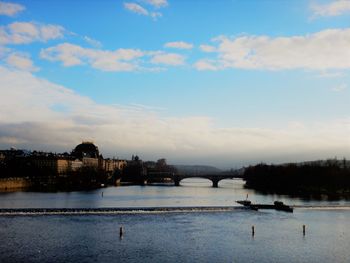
{"type": "Point", "coordinates": [318, 179]}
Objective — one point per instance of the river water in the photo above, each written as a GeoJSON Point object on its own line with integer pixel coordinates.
{"type": "Point", "coordinates": [178, 236]}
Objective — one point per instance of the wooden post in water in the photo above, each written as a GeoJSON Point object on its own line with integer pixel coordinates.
{"type": "Point", "coordinates": [253, 230]}
{"type": "Point", "coordinates": [121, 232]}
{"type": "Point", "coordinates": [304, 230]}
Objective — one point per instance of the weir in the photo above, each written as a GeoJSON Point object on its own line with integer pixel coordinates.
{"type": "Point", "coordinates": [144, 210]}
{"type": "Point", "coordinates": [112, 210]}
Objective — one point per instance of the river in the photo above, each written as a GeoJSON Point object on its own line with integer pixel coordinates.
{"type": "Point", "coordinates": [178, 236]}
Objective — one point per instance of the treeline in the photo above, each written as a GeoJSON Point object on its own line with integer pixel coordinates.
{"type": "Point", "coordinates": [328, 177]}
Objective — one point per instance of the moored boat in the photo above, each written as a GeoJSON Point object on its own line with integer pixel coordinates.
{"type": "Point", "coordinates": [282, 207]}
{"type": "Point", "coordinates": [277, 205]}
{"type": "Point", "coordinates": [244, 202]}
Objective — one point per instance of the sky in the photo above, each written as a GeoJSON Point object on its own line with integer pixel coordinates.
{"type": "Point", "coordinates": [225, 83]}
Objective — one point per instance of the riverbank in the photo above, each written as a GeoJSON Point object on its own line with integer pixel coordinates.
{"type": "Point", "coordinates": [309, 179]}
{"type": "Point", "coordinates": [14, 184]}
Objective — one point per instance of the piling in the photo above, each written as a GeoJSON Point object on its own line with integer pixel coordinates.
{"type": "Point", "coordinates": [253, 230]}
{"type": "Point", "coordinates": [121, 232]}
{"type": "Point", "coordinates": [304, 230]}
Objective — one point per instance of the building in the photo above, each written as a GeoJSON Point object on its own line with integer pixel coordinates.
{"type": "Point", "coordinates": [90, 162]}
{"type": "Point", "coordinates": [57, 165]}
{"type": "Point", "coordinates": [110, 165]}
{"type": "Point", "coordinates": [14, 153]}
{"type": "Point", "coordinates": [83, 155]}
{"type": "Point", "coordinates": [86, 150]}
{"type": "Point", "coordinates": [75, 165]}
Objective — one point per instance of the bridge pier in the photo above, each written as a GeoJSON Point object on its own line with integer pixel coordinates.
{"type": "Point", "coordinates": [117, 182]}
{"type": "Point", "coordinates": [214, 178]}
{"type": "Point", "coordinates": [143, 182]}
{"type": "Point", "coordinates": [177, 182]}
{"type": "Point", "coordinates": [215, 183]}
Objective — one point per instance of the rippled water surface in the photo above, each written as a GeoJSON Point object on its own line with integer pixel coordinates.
{"type": "Point", "coordinates": [192, 192]}
{"type": "Point", "coordinates": [215, 236]}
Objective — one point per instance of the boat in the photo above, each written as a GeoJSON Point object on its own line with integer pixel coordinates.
{"type": "Point", "coordinates": [277, 205]}
{"type": "Point", "coordinates": [248, 204]}
{"type": "Point", "coordinates": [254, 207]}
{"type": "Point", "coordinates": [244, 202]}
{"type": "Point", "coordinates": [282, 207]}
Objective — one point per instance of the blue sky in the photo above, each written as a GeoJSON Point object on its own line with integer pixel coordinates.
{"type": "Point", "coordinates": [227, 82]}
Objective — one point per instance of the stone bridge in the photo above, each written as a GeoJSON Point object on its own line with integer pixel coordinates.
{"type": "Point", "coordinates": [176, 178]}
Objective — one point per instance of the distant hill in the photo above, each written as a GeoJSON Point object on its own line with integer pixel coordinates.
{"type": "Point", "coordinates": [197, 169]}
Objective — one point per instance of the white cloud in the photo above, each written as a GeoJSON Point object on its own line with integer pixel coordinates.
{"type": "Point", "coordinates": [93, 42]}
{"type": "Point", "coordinates": [340, 87]}
{"type": "Point", "coordinates": [21, 61]}
{"type": "Point", "coordinates": [333, 8]}
{"type": "Point", "coordinates": [48, 32]}
{"type": "Point", "coordinates": [207, 48]}
{"type": "Point", "coordinates": [179, 45]}
{"type": "Point", "coordinates": [168, 59]}
{"type": "Point", "coordinates": [157, 3]}
{"type": "Point", "coordinates": [205, 64]}
{"type": "Point", "coordinates": [38, 114]}
{"type": "Point", "coordinates": [72, 55]}
{"type": "Point", "coordinates": [327, 49]}
{"type": "Point", "coordinates": [156, 15]}
{"type": "Point", "coordinates": [10, 9]}
{"type": "Point", "coordinates": [110, 60]}
{"type": "Point", "coordinates": [136, 8]}
{"type": "Point", "coordinates": [28, 32]}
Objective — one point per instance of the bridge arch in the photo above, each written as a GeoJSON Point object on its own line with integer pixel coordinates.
{"type": "Point", "coordinates": [177, 178]}
{"type": "Point", "coordinates": [214, 179]}
{"type": "Point", "coordinates": [177, 181]}
{"type": "Point", "coordinates": [226, 182]}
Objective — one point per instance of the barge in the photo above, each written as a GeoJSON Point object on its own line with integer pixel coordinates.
{"type": "Point", "coordinates": [277, 205]}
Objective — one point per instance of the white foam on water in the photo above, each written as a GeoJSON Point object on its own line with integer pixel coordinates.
{"type": "Point", "coordinates": [107, 211]}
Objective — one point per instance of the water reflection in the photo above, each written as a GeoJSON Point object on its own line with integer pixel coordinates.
{"type": "Point", "coordinates": [191, 192]}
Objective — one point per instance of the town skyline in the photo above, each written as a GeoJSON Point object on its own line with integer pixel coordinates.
{"type": "Point", "coordinates": [227, 84]}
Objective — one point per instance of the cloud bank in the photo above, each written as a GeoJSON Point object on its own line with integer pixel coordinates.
{"type": "Point", "coordinates": [28, 32]}
{"type": "Point", "coordinates": [72, 55]}
{"type": "Point", "coordinates": [327, 49]}
{"type": "Point", "coordinates": [110, 60]}
{"type": "Point", "coordinates": [38, 114]}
